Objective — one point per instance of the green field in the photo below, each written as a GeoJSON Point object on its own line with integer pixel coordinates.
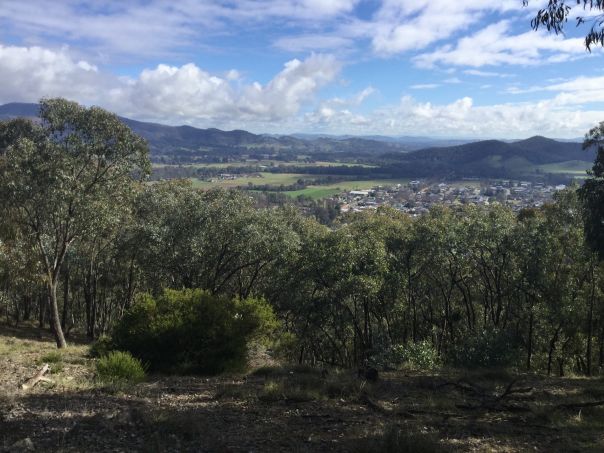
{"type": "Point", "coordinates": [328, 190]}
{"type": "Point", "coordinates": [571, 167]}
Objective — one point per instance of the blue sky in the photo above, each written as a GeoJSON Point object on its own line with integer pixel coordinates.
{"type": "Point", "coordinates": [395, 67]}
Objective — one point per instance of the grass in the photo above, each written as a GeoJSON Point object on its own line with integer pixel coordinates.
{"type": "Point", "coordinates": [290, 408]}
{"type": "Point", "coordinates": [328, 190]}
{"type": "Point", "coordinates": [571, 167]}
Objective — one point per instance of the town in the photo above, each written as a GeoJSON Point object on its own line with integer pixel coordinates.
{"type": "Point", "coordinates": [418, 197]}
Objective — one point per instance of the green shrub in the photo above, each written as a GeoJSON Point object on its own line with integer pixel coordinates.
{"type": "Point", "coordinates": [421, 355]}
{"type": "Point", "coordinates": [493, 349]}
{"type": "Point", "coordinates": [192, 331]}
{"type": "Point", "coordinates": [52, 357]}
{"type": "Point", "coordinates": [120, 367]}
{"type": "Point", "coordinates": [101, 347]}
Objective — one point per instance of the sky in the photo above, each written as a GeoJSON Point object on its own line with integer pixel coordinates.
{"type": "Point", "coordinates": [439, 68]}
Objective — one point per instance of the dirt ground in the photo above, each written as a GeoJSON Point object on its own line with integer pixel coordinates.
{"type": "Point", "coordinates": [288, 409]}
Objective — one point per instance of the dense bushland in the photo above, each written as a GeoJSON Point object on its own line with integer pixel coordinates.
{"type": "Point", "coordinates": [466, 286]}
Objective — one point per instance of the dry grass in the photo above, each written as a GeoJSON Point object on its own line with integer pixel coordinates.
{"type": "Point", "coordinates": [289, 409]}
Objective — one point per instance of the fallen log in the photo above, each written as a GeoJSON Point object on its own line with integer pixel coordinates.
{"type": "Point", "coordinates": [31, 382]}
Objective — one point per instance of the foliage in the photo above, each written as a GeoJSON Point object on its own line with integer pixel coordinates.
{"type": "Point", "coordinates": [555, 15]}
{"type": "Point", "coordinates": [193, 331]}
{"type": "Point", "coordinates": [592, 192]}
{"type": "Point", "coordinates": [421, 355]}
{"type": "Point", "coordinates": [120, 367]}
{"type": "Point", "coordinates": [64, 179]}
{"type": "Point", "coordinates": [492, 349]}
{"type": "Point", "coordinates": [101, 347]}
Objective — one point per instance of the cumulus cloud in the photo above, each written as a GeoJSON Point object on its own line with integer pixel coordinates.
{"type": "Point", "coordinates": [168, 93]}
{"type": "Point", "coordinates": [29, 73]}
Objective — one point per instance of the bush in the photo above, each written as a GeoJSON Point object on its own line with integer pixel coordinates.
{"type": "Point", "coordinates": [120, 367]}
{"type": "Point", "coordinates": [101, 347]}
{"type": "Point", "coordinates": [492, 349]}
{"type": "Point", "coordinates": [192, 331]}
{"type": "Point", "coordinates": [421, 356]}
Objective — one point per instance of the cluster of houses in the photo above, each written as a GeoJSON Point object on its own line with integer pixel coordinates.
{"type": "Point", "coordinates": [418, 197]}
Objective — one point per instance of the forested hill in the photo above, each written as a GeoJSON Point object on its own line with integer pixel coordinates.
{"type": "Point", "coordinates": [189, 144]}
{"type": "Point", "coordinates": [488, 158]}
{"type": "Point", "coordinates": [491, 158]}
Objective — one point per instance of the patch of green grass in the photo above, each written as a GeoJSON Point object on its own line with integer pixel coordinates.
{"type": "Point", "coordinates": [329, 190]}
{"type": "Point", "coordinates": [571, 167]}
{"type": "Point", "coordinates": [54, 359]}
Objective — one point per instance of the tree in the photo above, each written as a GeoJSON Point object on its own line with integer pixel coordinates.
{"type": "Point", "coordinates": [592, 192]}
{"type": "Point", "coordinates": [63, 178]}
{"type": "Point", "coordinates": [555, 16]}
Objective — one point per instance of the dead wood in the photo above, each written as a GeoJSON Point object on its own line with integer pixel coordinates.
{"type": "Point", "coordinates": [464, 386]}
{"type": "Point", "coordinates": [580, 405]}
{"type": "Point", "coordinates": [510, 390]}
{"type": "Point", "coordinates": [31, 382]}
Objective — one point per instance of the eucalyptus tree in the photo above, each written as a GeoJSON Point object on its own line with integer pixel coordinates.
{"type": "Point", "coordinates": [62, 179]}
{"type": "Point", "coordinates": [592, 192]}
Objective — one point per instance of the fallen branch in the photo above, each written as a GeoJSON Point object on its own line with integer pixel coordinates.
{"type": "Point", "coordinates": [580, 405]}
{"type": "Point", "coordinates": [464, 386]}
{"type": "Point", "coordinates": [31, 382]}
{"type": "Point", "coordinates": [510, 390]}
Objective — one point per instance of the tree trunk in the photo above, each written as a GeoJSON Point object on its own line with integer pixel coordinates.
{"type": "Point", "coordinates": [65, 299]}
{"type": "Point", "coordinates": [529, 354]}
{"type": "Point", "coordinates": [55, 320]}
{"type": "Point", "coordinates": [590, 323]}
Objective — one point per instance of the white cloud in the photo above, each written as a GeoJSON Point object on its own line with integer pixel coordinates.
{"type": "Point", "coordinates": [578, 91]}
{"type": "Point", "coordinates": [29, 73]}
{"type": "Point", "coordinates": [424, 86]}
{"type": "Point", "coordinates": [167, 93]}
{"type": "Point", "coordinates": [493, 46]}
{"type": "Point", "coordinates": [479, 73]}
{"type": "Point", "coordinates": [403, 25]}
{"type": "Point", "coordinates": [139, 28]}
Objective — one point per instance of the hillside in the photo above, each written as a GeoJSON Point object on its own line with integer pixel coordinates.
{"type": "Point", "coordinates": [490, 158]}
{"type": "Point", "coordinates": [399, 157]}
{"type": "Point", "coordinates": [186, 144]}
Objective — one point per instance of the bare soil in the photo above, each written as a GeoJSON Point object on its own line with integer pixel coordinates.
{"type": "Point", "coordinates": [286, 409]}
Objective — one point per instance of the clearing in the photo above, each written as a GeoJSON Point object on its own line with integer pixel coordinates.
{"type": "Point", "coordinates": [288, 409]}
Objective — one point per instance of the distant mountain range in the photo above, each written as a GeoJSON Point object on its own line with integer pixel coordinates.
{"type": "Point", "coordinates": [398, 156]}
{"type": "Point", "coordinates": [186, 143]}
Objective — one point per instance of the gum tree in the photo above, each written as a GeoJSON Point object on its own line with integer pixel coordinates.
{"type": "Point", "coordinates": [63, 178]}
